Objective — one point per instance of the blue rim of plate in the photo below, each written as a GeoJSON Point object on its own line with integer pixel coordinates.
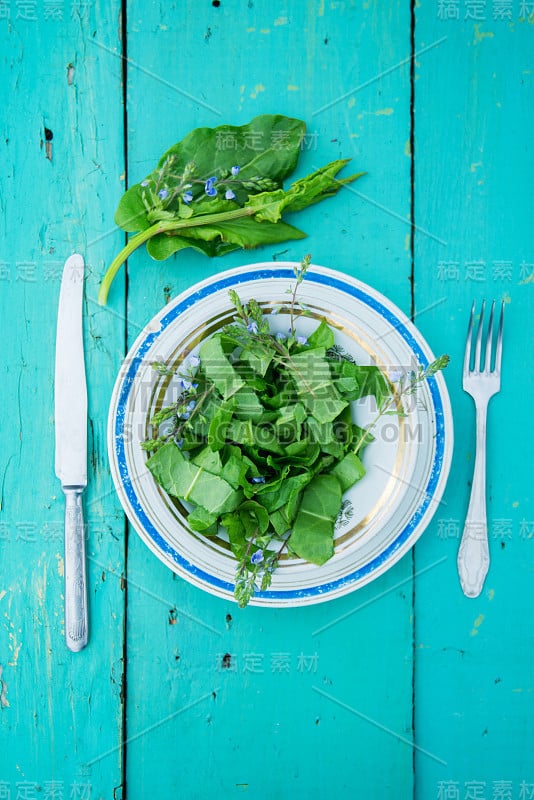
{"type": "Point", "coordinates": [225, 282]}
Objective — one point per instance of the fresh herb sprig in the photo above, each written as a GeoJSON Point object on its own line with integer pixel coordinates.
{"type": "Point", "coordinates": [261, 440]}
{"type": "Point", "coordinates": [221, 189]}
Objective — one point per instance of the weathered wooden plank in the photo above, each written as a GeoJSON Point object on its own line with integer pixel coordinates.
{"type": "Point", "coordinates": [330, 725]}
{"type": "Point", "coordinates": [474, 156]}
{"type": "Point", "coordinates": [62, 156]}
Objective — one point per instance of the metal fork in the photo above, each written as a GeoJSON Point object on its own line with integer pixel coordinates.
{"type": "Point", "coordinates": [481, 382]}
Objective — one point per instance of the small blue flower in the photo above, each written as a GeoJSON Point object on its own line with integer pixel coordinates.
{"type": "Point", "coordinates": [209, 187]}
{"type": "Point", "coordinates": [235, 170]}
{"type": "Point", "coordinates": [187, 197]}
{"type": "Point", "coordinates": [259, 479]}
{"type": "Point", "coordinates": [194, 361]}
{"type": "Point", "coordinates": [252, 327]}
{"type": "Point", "coordinates": [185, 384]}
{"type": "Point", "coordinates": [257, 557]}
{"type": "Point", "coordinates": [229, 195]}
{"type": "Point", "coordinates": [191, 405]}
{"type": "Point", "coordinates": [163, 193]}
{"type": "Point", "coordinates": [180, 443]}
{"type": "Point", "coordinates": [302, 340]}
{"type": "Point", "coordinates": [280, 336]}
{"type": "Point", "coordinates": [144, 183]}
{"type": "Point", "coordinates": [186, 415]}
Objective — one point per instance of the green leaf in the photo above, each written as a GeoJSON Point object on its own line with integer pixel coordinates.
{"type": "Point", "coordinates": [373, 382]}
{"type": "Point", "coordinates": [236, 534]}
{"type": "Point", "coordinates": [254, 517]}
{"type": "Point", "coordinates": [348, 471]}
{"type": "Point", "coordinates": [325, 410]}
{"type": "Point", "coordinates": [202, 521]}
{"type": "Point", "coordinates": [247, 404]}
{"type": "Point", "coordinates": [320, 184]}
{"type": "Point", "coordinates": [279, 522]}
{"type": "Point", "coordinates": [240, 430]}
{"type": "Point", "coordinates": [219, 424]}
{"type": "Point", "coordinates": [163, 246]}
{"type": "Point", "coordinates": [313, 530]}
{"type": "Point", "coordinates": [218, 369]}
{"type": "Point", "coordinates": [214, 151]}
{"type": "Point", "coordinates": [183, 479]}
{"type": "Point", "coordinates": [266, 150]}
{"type": "Point", "coordinates": [268, 145]}
{"type": "Point", "coordinates": [247, 233]}
{"type": "Point", "coordinates": [235, 467]}
{"type": "Point", "coordinates": [280, 494]}
{"type": "Point", "coordinates": [361, 437]}
{"type": "Point", "coordinates": [208, 460]}
{"type": "Point", "coordinates": [322, 336]}
{"type": "Point", "coordinates": [131, 214]}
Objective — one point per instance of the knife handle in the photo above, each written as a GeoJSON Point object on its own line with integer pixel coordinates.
{"type": "Point", "coordinates": [76, 624]}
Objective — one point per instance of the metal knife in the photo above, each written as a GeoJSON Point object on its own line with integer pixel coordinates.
{"type": "Point", "coordinates": [70, 400]}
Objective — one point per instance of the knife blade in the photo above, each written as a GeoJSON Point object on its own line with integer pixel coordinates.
{"type": "Point", "coordinates": [70, 407]}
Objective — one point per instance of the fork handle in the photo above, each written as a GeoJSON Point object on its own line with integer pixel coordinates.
{"type": "Point", "coordinates": [473, 555]}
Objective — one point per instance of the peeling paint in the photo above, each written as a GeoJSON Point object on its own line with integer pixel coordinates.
{"type": "Point", "coordinates": [292, 88]}
{"type": "Point", "coordinates": [281, 21]}
{"type": "Point", "coordinates": [408, 148]}
{"type": "Point", "coordinates": [381, 112]}
{"type": "Point", "coordinates": [60, 565]}
{"type": "Point", "coordinates": [14, 646]}
{"type": "Point", "coordinates": [40, 586]}
{"type": "Point", "coordinates": [4, 702]}
{"type": "Point", "coordinates": [474, 166]}
{"type": "Point", "coordinates": [257, 89]}
{"type": "Point", "coordinates": [491, 594]}
{"type": "Point", "coordinates": [2, 594]}
{"type": "Point", "coordinates": [481, 35]}
{"type": "Point", "coordinates": [477, 623]}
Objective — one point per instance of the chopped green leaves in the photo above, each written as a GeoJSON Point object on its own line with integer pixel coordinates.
{"type": "Point", "coordinates": [262, 442]}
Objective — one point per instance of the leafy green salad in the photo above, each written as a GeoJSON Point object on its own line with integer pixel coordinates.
{"type": "Point", "coordinates": [261, 439]}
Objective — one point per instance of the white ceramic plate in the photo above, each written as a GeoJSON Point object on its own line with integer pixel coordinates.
{"type": "Point", "coordinates": [407, 465]}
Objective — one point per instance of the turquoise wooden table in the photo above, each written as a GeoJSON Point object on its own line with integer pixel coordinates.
{"type": "Point", "coordinates": [405, 687]}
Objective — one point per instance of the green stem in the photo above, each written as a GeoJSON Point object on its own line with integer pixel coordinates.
{"type": "Point", "coordinates": [164, 227]}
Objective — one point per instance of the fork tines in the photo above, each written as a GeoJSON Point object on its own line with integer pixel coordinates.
{"type": "Point", "coordinates": [485, 364]}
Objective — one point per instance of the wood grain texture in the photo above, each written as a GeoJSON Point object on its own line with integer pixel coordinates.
{"type": "Point", "coordinates": [317, 701]}
{"type": "Point", "coordinates": [62, 157]}
{"type": "Point", "coordinates": [474, 158]}
{"type": "Point", "coordinates": [245, 725]}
